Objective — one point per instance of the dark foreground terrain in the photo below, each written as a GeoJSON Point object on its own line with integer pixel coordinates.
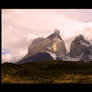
{"type": "Point", "coordinates": [47, 72]}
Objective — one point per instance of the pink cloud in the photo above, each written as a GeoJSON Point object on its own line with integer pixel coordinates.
{"type": "Point", "coordinates": [20, 27]}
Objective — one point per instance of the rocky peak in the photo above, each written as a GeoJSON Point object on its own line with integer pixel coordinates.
{"type": "Point", "coordinates": [80, 48]}
{"type": "Point", "coordinates": [81, 37]}
{"type": "Point", "coordinates": [56, 34]}
{"type": "Point", "coordinates": [80, 40]}
{"type": "Point", "coordinates": [53, 45]}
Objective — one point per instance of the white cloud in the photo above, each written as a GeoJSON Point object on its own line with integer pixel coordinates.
{"type": "Point", "coordinates": [20, 27]}
{"type": "Point", "coordinates": [14, 56]}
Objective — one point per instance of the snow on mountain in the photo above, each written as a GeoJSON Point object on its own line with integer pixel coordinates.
{"type": "Point", "coordinates": [81, 48]}
{"type": "Point", "coordinates": [68, 58]}
{"type": "Point", "coordinates": [52, 54]}
{"type": "Point", "coordinates": [52, 44]}
{"type": "Point", "coordinates": [84, 44]}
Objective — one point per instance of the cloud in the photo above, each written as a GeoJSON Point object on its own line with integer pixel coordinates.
{"type": "Point", "coordinates": [5, 51]}
{"type": "Point", "coordinates": [14, 56]}
{"type": "Point", "coordinates": [21, 26]}
{"type": "Point", "coordinates": [82, 15]}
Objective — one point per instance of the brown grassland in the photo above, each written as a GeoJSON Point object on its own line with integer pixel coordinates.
{"type": "Point", "coordinates": [52, 72]}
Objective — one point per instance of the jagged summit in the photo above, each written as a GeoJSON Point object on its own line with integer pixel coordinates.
{"type": "Point", "coordinates": [56, 34]}
{"type": "Point", "coordinates": [81, 48]}
{"type": "Point", "coordinates": [80, 40]}
{"type": "Point", "coordinates": [53, 45]}
{"type": "Point", "coordinates": [81, 37]}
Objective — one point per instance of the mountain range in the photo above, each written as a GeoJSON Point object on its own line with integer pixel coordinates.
{"type": "Point", "coordinates": [53, 48]}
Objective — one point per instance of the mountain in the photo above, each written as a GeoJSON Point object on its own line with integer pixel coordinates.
{"type": "Point", "coordinates": [51, 47]}
{"type": "Point", "coordinates": [41, 56]}
{"type": "Point", "coordinates": [81, 49]}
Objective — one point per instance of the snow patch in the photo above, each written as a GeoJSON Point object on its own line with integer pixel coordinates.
{"type": "Point", "coordinates": [68, 58]}
{"type": "Point", "coordinates": [52, 54]}
{"type": "Point", "coordinates": [49, 48]}
{"type": "Point", "coordinates": [90, 56]}
{"type": "Point", "coordinates": [84, 44]}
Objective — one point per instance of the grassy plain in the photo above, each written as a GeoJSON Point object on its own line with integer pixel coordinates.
{"type": "Point", "coordinates": [52, 72]}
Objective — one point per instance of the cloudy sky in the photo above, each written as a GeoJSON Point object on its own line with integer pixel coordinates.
{"type": "Point", "coordinates": [21, 26]}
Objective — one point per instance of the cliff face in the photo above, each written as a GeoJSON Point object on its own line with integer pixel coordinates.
{"type": "Point", "coordinates": [81, 48]}
{"type": "Point", "coordinates": [53, 45]}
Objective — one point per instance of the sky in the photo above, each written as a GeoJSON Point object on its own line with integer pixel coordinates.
{"type": "Point", "coordinates": [21, 26]}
